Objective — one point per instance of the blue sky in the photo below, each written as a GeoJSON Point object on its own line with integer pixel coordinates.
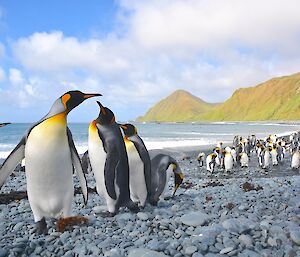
{"type": "Point", "coordinates": [137, 52]}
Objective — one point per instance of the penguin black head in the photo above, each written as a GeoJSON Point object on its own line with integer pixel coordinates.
{"type": "Point", "coordinates": [128, 129]}
{"type": "Point", "coordinates": [106, 116]}
{"type": "Point", "coordinates": [72, 99]}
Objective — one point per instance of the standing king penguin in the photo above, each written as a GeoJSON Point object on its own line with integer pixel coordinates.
{"type": "Point", "coordinates": [162, 167]}
{"type": "Point", "coordinates": [109, 161]}
{"type": "Point", "coordinates": [50, 156]}
{"type": "Point", "coordinates": [139, 165]}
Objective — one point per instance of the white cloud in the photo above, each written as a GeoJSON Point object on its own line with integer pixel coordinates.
{"type": "Point", "coordinates": [2, 75]}
{"type": "Point", "coordinates": [2, 50]}
{"type": "Point", "coordinates": [216, 24]}
{"type": "Point", "coordinates": [207, 47]}
{"type": "Point", "coordinates": [54, 52]}
{"type": "Point", "coordinates": [15, 76]}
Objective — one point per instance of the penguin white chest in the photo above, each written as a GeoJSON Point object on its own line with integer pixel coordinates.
{"type": "Point", "coordinates": [267, 158]}
{"type": "Point", "coordinates": [228, 162]}
{"type": "Point", "coordinates": [98, 158]}
{"type": "Point", "coordinates": [137, 183]}
{"type": "Point", "coordinates": [169, 172]}
{"type": "Point", "coordinates": [295, 160]}
{"type": "Point", "coordinates": [49, 170]}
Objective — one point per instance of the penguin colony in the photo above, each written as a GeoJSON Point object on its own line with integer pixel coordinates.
{"type": "Point", "coordinates": [124, 173]}
{"type": "Point", "coordinates": [268, 152]}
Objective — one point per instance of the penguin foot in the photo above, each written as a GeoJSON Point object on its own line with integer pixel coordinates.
{"type": "Point", "coordinates": [133, 207]}
{"type": "Point", "coordinates": [41, 227]}
{"type": "Point", "coordinates": [152, 202]}
{"type": "Point", "coordinates": [107, 214]}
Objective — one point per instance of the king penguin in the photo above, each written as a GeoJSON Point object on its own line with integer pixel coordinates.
{"type": "Point", "coordinates": [228, 161]}
{"type": "Point", "coordinates": [295, 161]}
{"type": "Point", "coordinates": [50, 156]}
{"type": "Point", "coordinates": [162, 167]}
{"type": "Point", "coordinates": [139, 165]}
{"type": "Point", "coordinates": [109, 161]}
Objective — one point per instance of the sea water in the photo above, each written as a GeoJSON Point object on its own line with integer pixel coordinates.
{"type": "Point", "coordinates": [162, 135]}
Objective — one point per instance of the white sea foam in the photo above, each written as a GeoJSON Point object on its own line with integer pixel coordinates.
{"type": "Point", "coordinates": [178, 143]}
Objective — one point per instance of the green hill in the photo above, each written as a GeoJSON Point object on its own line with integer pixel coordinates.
{"type": "Point", "coordinates": [276, 99]}
{"type": "Point", "coordinates": [179, 106]}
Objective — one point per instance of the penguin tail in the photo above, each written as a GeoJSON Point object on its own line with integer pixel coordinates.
{"type": "Point", "coordinates": [68, 222]}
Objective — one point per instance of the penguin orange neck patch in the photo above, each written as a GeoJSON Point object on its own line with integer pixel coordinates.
{"type": "Point", "coordinates": [93, 126]}
{"type": "Point", "coordinates": [65, 98]}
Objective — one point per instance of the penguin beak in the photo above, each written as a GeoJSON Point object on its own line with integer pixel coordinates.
{"type": "Point", "coordinates": [87, 96]}
{"type": "Point", "coordinates": [178, 180]}
{"type": "Point", "coordinates": [123, 126]}
{"type": "Point", "coordinates": [102, 110]}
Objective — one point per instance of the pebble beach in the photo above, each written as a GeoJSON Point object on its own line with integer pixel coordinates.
{"type": "Point", "coordinates": [246, 212]}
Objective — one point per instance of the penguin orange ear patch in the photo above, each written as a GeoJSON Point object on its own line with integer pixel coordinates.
{"type": "Point", "coordinates": [65, 98]}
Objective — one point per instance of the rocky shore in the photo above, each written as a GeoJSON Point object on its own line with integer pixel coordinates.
{"type": "Point", "coordinates": [247, 212]}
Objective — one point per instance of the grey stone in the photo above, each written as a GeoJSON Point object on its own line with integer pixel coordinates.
{"type": "Point", "coordinates": [246, 240]}
{"type": "Point", "coordinates": [249, 253]}
{"type": "Point", "coordinates": [238, 225]}
{"type": "Point", "coordinates": [142, 216]}
{"type": "Point", "coordinates": [272, 241]}
{"type": "Point", "coordinates": [295, 236]}
{"type": "Point", "coordinates": [3, 253]}
{"type": "Point", "coordinates": [124, 216]}
{"type": "Point", "coordinates": [141, 252]}
{"type": "Point", "coordinates": [197, 255]}
{"type": "Point", "coordinates": [190, 250]}
{"type": "Point", "coordinates": [194, 219]}
{"type": "Point", "coordinates": [226, 250]}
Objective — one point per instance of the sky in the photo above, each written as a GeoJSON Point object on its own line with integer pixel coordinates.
{"type": "Point", "coordinates": [137, 52]}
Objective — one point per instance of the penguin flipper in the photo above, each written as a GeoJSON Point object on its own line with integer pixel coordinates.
{"type": "Point", "coordinates": [109, 173]}
{"type": "Point", "coordinates": [78, 167]}
{"type": "Point", "coordinates": [85, 161]}
{"type": "Point", "coordinates": [15, 157]}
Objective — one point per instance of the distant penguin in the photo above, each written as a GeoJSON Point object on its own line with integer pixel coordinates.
{"type": "Point", "coordinates": [200, 159]}
{"type": "Point", "coordinates": [50, 156]}
{"type": "Point", "coordinates": [280, 151]}
{"type": "Point", "coordinates": [267, 158]}
{"type": "Point", "coordinates": [244, 159]}
{"type": "Point", "coordinates": [218, 153]}
{"type": "Point", "coordinates": [162, 168]}
{"type": "Point", "coordinates": [274, 155]}
{"type": "Point", "coordinates": [233, 154]}
{"type": "Point", "coordinates": [211, 162]}
{"type": "Point", "coordinates": [109, 161]}
{"type": "Point", "coordinates": [252, 141]}
{"type": "Point", "coordinates": [260, 155]}
{"type": "Point", "coordinates": [139, 165]}
{"type": "Point", "coordinates": [295, 159]}
{"type": "Point", "coordinates": [228, 161]}
{"type": "Point", "coordinates": [238, 150]}
{"type": "Point", "coordinates": [235, 141]}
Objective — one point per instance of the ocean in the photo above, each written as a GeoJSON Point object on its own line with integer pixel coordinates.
{"type": "Point", "coordinates": [162, 135]}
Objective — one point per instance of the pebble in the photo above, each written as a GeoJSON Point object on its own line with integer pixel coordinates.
{"type": "Point", "coordinates": [194, 219]}
{"type": "Point", "coordinates": [141, 252]}
{"type": "Point", "coordinates": [246, 240]}
{"type": "Point", "coordinates": [226, 250]}
{"type": "Point", "coordinates": [3, 253]}
{"type": "Point", "coordinates": [272, 241]}
{"type": "Point", "coordinates": [295, 236]}
{"type": "Point", "coordinates": [190, 250]}
{"type": "Point", "coordinates": [143, 216]}
{"type": "Point", "coordinates": [187, 225]}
